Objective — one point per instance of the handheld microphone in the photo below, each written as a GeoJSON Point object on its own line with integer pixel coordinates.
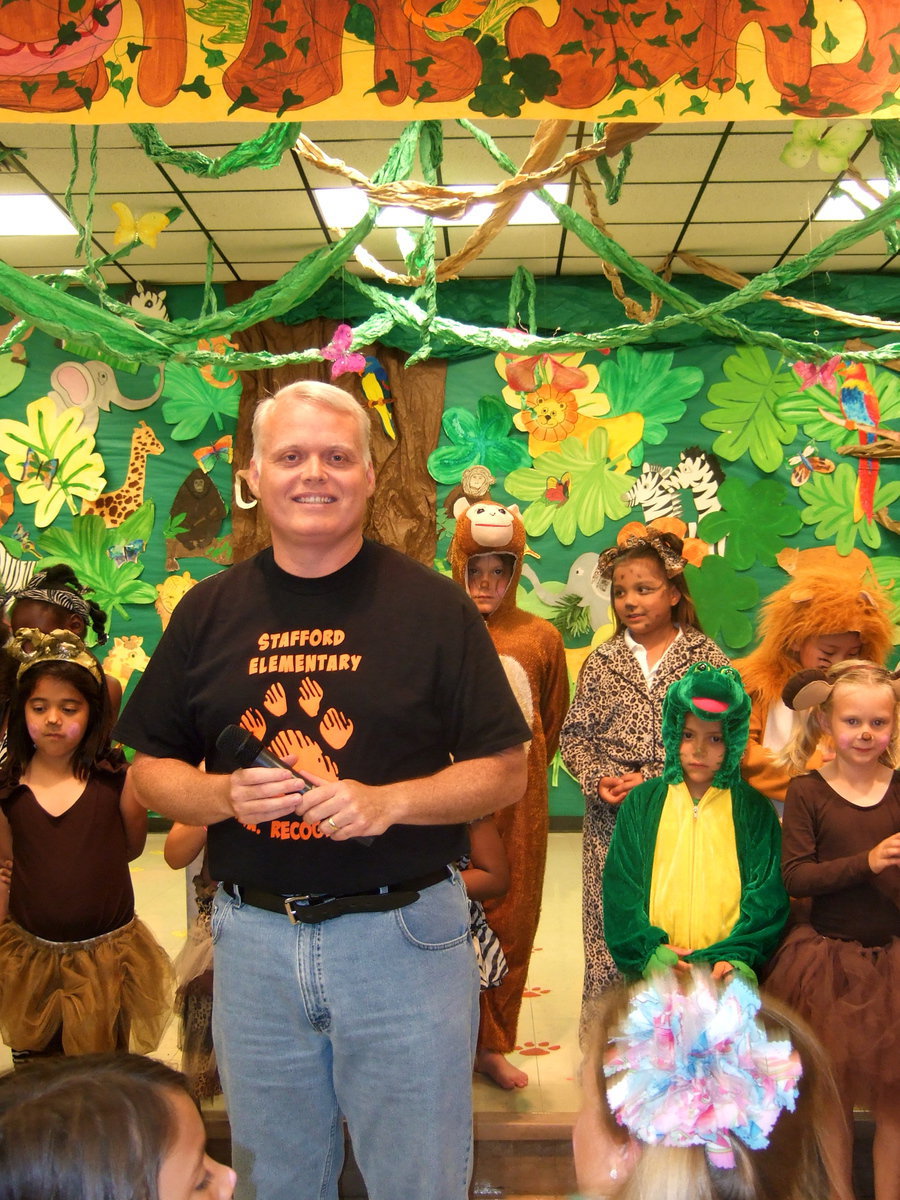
{"type": "Point", "coordinates": [241, 747]}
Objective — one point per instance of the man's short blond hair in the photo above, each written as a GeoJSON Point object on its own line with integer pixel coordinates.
{"type": "Point", "coordinates": [317, 395]}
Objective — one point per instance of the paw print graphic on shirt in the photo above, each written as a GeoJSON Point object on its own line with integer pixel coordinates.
{"type": "Point", "coordinates": [336, 729]}
{"type": "Point", "coordinates": [275, 700]}
{"type": "Point", "coordinates": [308, 753]}
{"type": "Point", "coordinates": [254, 722]}
{"type": "Point", "coordinates": [310, 696]}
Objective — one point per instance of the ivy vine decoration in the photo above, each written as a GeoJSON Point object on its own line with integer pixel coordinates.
{"type": "Point", "coordinates": [52, 458]}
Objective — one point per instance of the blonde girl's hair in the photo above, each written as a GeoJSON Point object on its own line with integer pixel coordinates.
{"type": "Point", "coordinates": [683, 611]}
{"type": "Point", "coordinates": [808, 726]}
{"type": "Point", "coordinates": [797, 1164]}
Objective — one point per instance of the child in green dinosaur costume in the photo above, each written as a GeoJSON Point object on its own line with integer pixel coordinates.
{"type": "Point", "coordinates": [693, 874]}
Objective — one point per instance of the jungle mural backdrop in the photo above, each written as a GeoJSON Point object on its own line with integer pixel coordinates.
{"type": "Point", "coordinates": [758, 461]}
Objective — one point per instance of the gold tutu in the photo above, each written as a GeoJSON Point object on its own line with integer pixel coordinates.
{"type": "Point", "coordinates": [112, 992]}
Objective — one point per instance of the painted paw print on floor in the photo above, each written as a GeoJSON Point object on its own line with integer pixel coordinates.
{"type": "Point", "coordinates": [535, 1048]}
{"type": "Point", "coordinates": [310, 696]}
{"type": "Point", "coordinates": [532, 992]}
{"type": "Point", "coordinates": [335, 728]}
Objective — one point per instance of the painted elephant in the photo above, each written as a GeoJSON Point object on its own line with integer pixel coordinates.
{"type": "Point", "coordinates": [90, 386]}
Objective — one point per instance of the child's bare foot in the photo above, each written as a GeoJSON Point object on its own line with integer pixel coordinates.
{"type": "Point", "coordinates": [495, 1066]}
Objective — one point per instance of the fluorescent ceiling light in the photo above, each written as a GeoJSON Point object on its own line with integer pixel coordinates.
{"type": "Point", "coordinates": [32, 216]}
{"type": "Point", "coordinates": [842, 208]}
{"type": "Point", "coordinates": [343, 207]}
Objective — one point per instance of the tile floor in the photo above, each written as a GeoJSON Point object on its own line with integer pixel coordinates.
{"type": "Point", "coordinates": [548, 1043]}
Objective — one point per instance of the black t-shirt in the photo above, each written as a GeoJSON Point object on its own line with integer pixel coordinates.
{"type": "Point", "coordinates": [380, 672]}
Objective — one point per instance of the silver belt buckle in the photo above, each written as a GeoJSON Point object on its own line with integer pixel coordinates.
{"type": "Point", "coordinates": [288, 901]}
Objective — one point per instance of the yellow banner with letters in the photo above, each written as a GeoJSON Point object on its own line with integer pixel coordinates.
{"type": "Point", "coordinates": [97, 62]}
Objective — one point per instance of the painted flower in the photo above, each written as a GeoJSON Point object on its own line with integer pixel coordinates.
{"type": "Point", "coordinates": [555, 397]}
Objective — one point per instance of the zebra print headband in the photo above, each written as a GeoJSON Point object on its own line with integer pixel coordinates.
{"type": "Point", "coordinates": [650, 539]}
{"type": "Point", "coordinates": [60, 597]}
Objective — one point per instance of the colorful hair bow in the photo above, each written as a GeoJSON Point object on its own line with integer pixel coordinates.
{"type": "Point", "coordinates": [697, 1068]}
{"type": "Point", "coordinates": [631, 537]}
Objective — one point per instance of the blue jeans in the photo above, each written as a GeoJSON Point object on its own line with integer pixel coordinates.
{"type": "Point", "coordinates": [370, 1015]}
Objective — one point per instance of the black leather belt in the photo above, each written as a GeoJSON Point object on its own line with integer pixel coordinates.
{"type": "Point", "coordinates": [310, 909]}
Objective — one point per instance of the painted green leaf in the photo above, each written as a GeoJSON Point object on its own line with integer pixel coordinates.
{"type": "Point", "coordinates": [596, 489]}
{"type": "Point", "coordinates": [723, 598]}
{"type": "Point", "coordinates": [829, 506]}
{"type": "Point", "coordinates": [636, 381]}
{"type": "Point", "coordinates": [479, 437]}
{"type": "Point", "coordinates": [754, 519]}
{"type": "Point", "coordinates": [85, 547]}
{"type": "Point", "coordinates": [194, 401]}
{"type": "Point", "coordinates": [802, 407]}
{"type": "Point", "coordinates": [745, 409]}
{"type": "Point", "coordinates": [887, 571]}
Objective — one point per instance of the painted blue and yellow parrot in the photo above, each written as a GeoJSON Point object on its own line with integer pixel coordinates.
{"type": "Point", "coordinates": [377, 391]}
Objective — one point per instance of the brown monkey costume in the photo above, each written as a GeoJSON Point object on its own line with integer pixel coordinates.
{"type": "Point", "coordinates": [532, 653]}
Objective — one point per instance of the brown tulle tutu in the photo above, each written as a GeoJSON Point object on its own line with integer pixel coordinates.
{"type": "Point", "coordinates": [850, 995]}
{"type": "Point", "coordinates": [112, 992]}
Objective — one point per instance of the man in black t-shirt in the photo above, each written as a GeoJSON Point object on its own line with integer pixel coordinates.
{"type": "Point", "coordinates": [345, 983]}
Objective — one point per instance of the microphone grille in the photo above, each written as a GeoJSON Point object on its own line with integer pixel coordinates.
{"type": "Point", "coordinates": [238, 745]}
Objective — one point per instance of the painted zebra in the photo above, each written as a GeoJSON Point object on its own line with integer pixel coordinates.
{"type": "Point", "coordinates": [14, 572]}
{"type": "Point", "coordinates": [655, 493]}
{"type": "Point", "coordinates": [699, 472]}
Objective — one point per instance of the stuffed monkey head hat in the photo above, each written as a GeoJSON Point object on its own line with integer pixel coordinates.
{"type": "Point", "coordinates": [484, 527]}
{"type": "Point", "coordinates": [710, 694]}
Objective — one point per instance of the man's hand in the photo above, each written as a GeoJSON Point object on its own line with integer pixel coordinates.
{"type": "Point", "coordinates": [263, 793]}
{"type": "Point", "coordinates": [345, 808]}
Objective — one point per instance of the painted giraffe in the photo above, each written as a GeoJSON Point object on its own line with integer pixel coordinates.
{"type": "Point", "coordinates": [115, 506]}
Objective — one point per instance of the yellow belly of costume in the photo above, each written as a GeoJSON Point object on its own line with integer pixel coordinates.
{"type": "Point", "coordinates": [695, 893]}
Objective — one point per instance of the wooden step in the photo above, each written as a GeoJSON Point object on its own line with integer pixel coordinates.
{"type": "Point", "coordinates": [523, 1156]}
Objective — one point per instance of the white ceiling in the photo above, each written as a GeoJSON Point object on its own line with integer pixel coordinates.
{"type": "Point", "coordinates": [715, 190]}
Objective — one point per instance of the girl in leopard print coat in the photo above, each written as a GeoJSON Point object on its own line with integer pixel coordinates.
{"type": "Point", "coordinates": [612, 737]}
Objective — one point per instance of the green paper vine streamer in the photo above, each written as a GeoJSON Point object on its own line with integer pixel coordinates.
{"type": "Point", "coordinates": [888, 135]}
{"type": "Point", "coordinates": [522, 288]}
{"type": "Point", "coordinates": [264, 152]}
{"type": "Point", "coordinates": [108, 325]}
{"type": "Point", "coordinates": [612, 183]}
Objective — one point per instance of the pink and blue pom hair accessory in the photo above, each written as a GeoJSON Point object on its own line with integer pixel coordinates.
{"type": "Point", "coordinates": [697, 1068]}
